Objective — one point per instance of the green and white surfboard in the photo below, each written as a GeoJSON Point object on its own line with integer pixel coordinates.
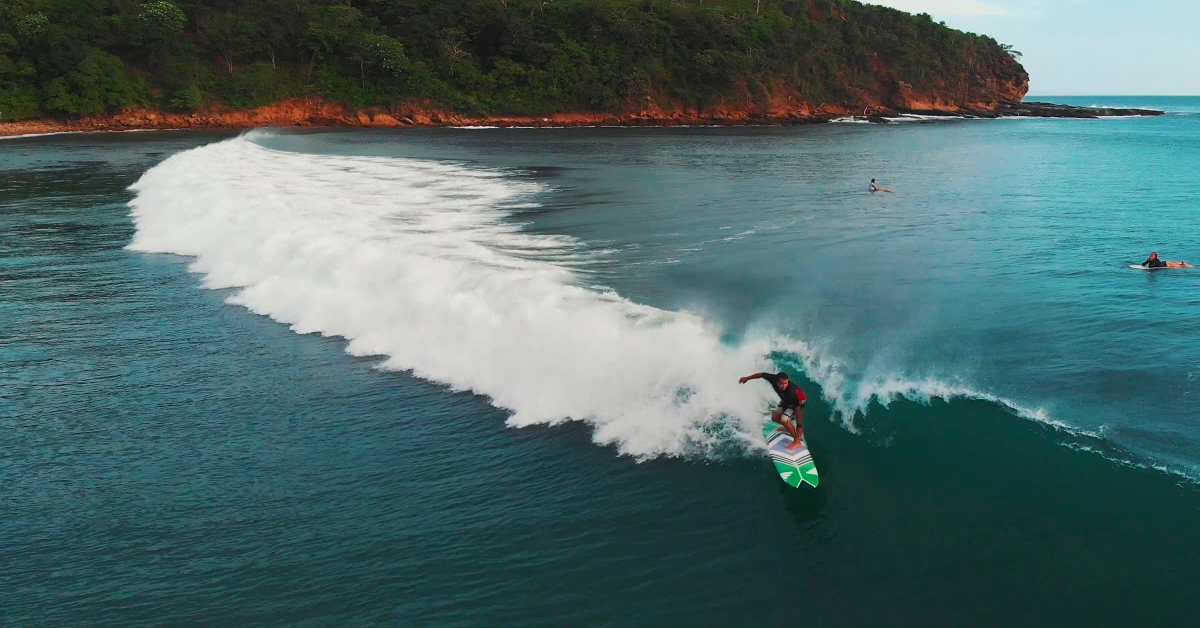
{"type": "Point", "coordinates": [796, 466]}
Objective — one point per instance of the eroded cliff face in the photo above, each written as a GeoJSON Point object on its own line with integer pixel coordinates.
{"type": "Point", "coordinates": [996, 81]}
{"type": "Point", "coordinates": [1002, 84]}
{"type": "Point", "coordinates": [906, 98]}
{"type": "Point", "coordinates": [982, 96]}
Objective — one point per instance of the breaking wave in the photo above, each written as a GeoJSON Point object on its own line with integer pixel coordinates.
{"type": "Point", "coordinates": [417, 261]}
{"type": "Point", "coordinates": [421, 263]}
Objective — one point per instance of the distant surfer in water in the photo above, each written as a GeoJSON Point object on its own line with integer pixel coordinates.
{"type": "Point", "coordinates": [791, 400]}
{"type": "Point", "coordinates": [1154, 262]}
{"type": "Point", "coordinates": [876, 188]}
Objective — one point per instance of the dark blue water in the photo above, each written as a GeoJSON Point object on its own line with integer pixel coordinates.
{"type": "Point", "coordinates": [488, 377]}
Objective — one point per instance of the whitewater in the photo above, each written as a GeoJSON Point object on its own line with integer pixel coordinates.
{"type": "Point", "coordinates": [422, 263]}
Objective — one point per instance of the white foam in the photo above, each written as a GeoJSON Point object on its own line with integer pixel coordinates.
{"type": "Point", "coordinates": [14, 137]}
{"type": "Point", "coordinates": [1113, 454]}
{"type": "Point", "coordinates": [885, 391]}
{"type": "Point", "coordinates": [917, 117]}
{"type": "Point", "coordinates": [17, 137]}
{"type": "Point", "coordinates": [852, 393]}
{"type": "Point", "coordinates": [901, 118]}
{"type": "Point", "coordinates": [415, 261]}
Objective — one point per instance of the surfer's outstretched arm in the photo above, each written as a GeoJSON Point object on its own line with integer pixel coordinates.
{"type": "Point", "coordinates": [747, 378]}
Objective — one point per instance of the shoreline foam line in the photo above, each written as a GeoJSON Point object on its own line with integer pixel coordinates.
{"type": "Point", "coordinates": [89, 132]}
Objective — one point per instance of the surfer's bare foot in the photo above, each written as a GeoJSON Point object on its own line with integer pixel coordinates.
{"type": "Point", "coordinates": [795, 445]}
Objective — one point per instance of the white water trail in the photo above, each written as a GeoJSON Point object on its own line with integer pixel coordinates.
{"type": "Point", "coordinates": [415, 261]}
{"type": "Point", "coordinates": [419, 262]}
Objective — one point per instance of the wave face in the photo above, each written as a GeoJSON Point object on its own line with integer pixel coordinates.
{"type": "Point", "coordinates": [416, 261]}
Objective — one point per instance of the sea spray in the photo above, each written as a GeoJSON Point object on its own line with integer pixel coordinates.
{"type": "Point", "coordinates": [852, 395]}
{"type": "Point", "coordinates": [415, 261]}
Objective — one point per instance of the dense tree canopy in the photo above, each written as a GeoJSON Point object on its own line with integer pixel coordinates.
{"type": "Point", "coordinates": [69, 57]}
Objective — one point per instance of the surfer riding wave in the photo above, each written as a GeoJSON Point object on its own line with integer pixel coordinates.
{"type": "Point", "coordinates": [791, 404]}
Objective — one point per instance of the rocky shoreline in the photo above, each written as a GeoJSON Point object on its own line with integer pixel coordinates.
{"type": "Point", "coordinates": [316, 113]}
{"type": "Point", "coordinates": [1051, 110]}
{"type": "Point", "coordinates": [1020, 110]}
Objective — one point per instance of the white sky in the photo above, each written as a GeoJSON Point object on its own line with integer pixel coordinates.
{"type": "Point", "coordinates": [1087, 47]}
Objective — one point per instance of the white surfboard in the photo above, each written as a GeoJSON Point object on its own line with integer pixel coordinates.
{"type": "Point", "coordinates": [1140, 267]}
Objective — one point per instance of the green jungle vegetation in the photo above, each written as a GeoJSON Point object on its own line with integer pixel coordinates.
{"type": "Point", "coordinates": [61, 58]}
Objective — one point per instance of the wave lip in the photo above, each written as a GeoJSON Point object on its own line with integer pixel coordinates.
{"type": "Point", "coordinates": [851, 394]}
{"type": "Point", "coordinates": [417, 261]}
{"type": "Point", "coordinates": [924, 391]}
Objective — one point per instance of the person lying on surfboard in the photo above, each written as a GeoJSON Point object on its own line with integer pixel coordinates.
{"type": "Point", "coordinates": [876, 188]}
{"type": "Point", "coordinates": [1154, 262]}
{"type": "Point", "coordinates": [791, 400]}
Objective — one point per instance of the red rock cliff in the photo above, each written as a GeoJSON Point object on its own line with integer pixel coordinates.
{"type": "Point", "coordinates": [1002, 83]}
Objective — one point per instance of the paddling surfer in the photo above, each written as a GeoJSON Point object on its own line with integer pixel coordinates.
{"type": "Point", "coordinates": [1154, 262]}
{"type": "Point", "coordinates": [791, 404]}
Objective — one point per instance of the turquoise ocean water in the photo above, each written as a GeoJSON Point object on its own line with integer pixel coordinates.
{"type": "Point", "coordinates": [488, 377]}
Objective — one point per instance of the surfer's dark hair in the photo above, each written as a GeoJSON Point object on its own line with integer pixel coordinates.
{"type": "Point", "coordinates": [783, 375]}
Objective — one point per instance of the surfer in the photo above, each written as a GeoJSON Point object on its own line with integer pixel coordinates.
{"type": "Point", "coordinates": [791, 400]}
{"type": "Point", "coordinates": [876, 188]}
{"type": "Point", "coordinates": [1154, 262]}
